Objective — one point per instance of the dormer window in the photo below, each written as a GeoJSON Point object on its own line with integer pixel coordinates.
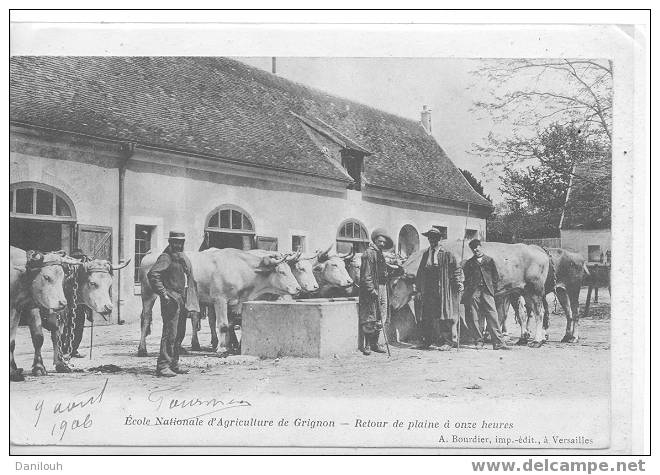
{"type": "Point", "coordinates": [353, 162]}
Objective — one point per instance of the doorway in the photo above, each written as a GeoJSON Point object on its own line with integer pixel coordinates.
{"type": "Point", "coordinates": [29, 234]}
{"type": "Point", "coordinates": [222, 240]}
{"type": "Point", "coordinates": [408, 240]}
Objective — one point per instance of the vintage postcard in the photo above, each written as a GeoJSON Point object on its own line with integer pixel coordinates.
{"type": "Point", "coordinates": [378, 237]}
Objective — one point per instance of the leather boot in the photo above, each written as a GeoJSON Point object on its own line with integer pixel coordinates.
{"type": "Point", "coordinates": [364, 344]}
{"type": "Point", "coordinates": [375, 347]}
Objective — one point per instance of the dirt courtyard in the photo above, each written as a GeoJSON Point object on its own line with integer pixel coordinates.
{"type": "Point", "coordinates": [553, 371]}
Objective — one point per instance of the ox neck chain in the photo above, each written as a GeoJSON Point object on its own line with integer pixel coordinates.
{"type": "Point", "coordinates": [67, 319]}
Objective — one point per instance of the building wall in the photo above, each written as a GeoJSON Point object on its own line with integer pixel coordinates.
{"type": "Point", "coordinates": [579, 240]}
{"type": "Point", "coordinates": [88, 177]}
{"type": "Point", "coordinates": [171, 192]}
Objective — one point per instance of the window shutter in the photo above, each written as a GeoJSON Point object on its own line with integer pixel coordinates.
{"type": "Point", "coordinates": [95, 241]}
{"type": "Point", "coordinates": [267, 243]}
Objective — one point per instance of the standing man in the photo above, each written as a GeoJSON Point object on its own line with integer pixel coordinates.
{"type": "Point", "coordinates": [82, 313]}
{"type": "Point", "coordinates": [172, 279]}
{"type": "Point", "coordinates": [439, 282]}
{"type": "Point", "coordinates": [373, 292]}
{"type": "Point", "coordinates": [481, 281]}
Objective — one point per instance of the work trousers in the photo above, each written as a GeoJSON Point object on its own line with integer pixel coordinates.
{"type": "Point", "coordinates": [439, 332]}
{"type": "Point", "coordinates": [174, 329]}
{"type": "Point", "coordinates": [369, 331]}
{"type": "Point", "coordinates": [481, 301]}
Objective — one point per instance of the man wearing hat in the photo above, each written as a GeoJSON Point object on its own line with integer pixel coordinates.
{"type": "Point", "coordinates": [172, 279]}
{"type": "Point", "coordinates": [481, 280]}
{"type": "Point", "coordinates": [439, 280]}
{"type": "Point", "coordinates": [373, 292]}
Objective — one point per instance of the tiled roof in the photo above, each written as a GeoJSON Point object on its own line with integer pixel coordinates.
{"type": "Point", "coordinates": [224, 109]}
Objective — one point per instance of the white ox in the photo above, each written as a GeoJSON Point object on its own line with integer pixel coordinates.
{"type": "Point", "coordinates": [223, 276]}
{"type": "Point", "coordinates": [332, 275]}
{"type": "Point", "coordinates": [523, 271]}
{"type": "Point", "coordinates": [302, 270]}
{"type": "Point", "coordinates": [35, 283]}
{"type": "Point", "coordinates": [86, 285]}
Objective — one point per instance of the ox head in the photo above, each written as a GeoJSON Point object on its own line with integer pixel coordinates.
{"type": "Point", "coordinates": [45, 274]}
{"type": "Point", "coordinates": [402, 289]}
{"type": "Point", "coordinates": [332, 270]}
{"type": "Point", "coordinates": [95, 284]}
{"type": "Point", "coordinates": [278, 273]}
{"type": "Point", "coordinates": [303, 271]}
{"type": "Point", "coordinates": [353, 263]}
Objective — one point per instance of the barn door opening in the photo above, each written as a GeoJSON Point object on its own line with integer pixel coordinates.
{"type": "Point", "coordinates": [408, 240]}
{"type": "Point", "coordinates": [228, 240]}
{"type": "Point", "coordinates": [40, 235]}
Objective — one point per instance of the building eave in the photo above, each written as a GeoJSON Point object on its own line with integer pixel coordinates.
{"type": "Point", "coordinates": [476, 209]}
{"type": "Point", "coordinates": [16, 126]}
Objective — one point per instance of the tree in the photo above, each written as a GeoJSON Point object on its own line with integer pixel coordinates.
{"type": "Point", "coordinates": [535, 194]}
{"type": "Point", "coordinates": [531, 93]}
{"type": "Point", "coordinates": [476, 184]}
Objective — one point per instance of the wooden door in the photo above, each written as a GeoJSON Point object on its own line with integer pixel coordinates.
{"type": "Point", "coordinates": [95, 241]}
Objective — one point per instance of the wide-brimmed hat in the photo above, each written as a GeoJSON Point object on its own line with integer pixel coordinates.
{"type": "Point", "coordinates": [177, 235]}
{"type": "Point", "coordinates": [389, 244]}
{"type": "Point", "coordinates": [433, 232]}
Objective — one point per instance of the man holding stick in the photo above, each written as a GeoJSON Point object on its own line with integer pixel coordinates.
{"type": "Point", "coordinates": [373, 310]}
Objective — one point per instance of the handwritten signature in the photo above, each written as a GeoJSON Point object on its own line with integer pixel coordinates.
{"type": "Point", "coordinates": [162, 399]}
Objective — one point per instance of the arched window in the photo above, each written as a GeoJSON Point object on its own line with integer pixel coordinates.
{"type": "Point", "coordinates": [229, 219]}
{"type": "Point", "coordinates": [229, 226]}
{"type": "Point", "coordinates": [408, 240]}
{"type": "Point", "coordinates": [30, 200]}
{"type": "Point", "coordinates": [352, 235]}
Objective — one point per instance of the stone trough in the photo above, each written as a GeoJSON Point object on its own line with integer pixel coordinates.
{"type": "Point", "coordinates": [315, 328]}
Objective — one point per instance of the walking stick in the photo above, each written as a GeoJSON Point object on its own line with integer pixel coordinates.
{"type": "Point", "coordinates": [387, 318]}
{"type": "Point", "coordinates": [91, 338]}
{"type": "Point", "coordinates": [460, 294]}
{"type": "Point", "coordinates": [387, 344]}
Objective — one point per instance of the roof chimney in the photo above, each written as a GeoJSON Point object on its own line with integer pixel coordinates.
{"type": "Point", "coordinates": [426, 119]}
{"type": "Point", "coordinates": [274, 65]}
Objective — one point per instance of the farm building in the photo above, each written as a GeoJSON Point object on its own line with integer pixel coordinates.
{"type": "Point", "coordinates": [586, 222]}
{"type": "Point", "coordinates": [108, 154]}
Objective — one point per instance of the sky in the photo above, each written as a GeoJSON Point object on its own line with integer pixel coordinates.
{"type": "Point", "coordinates": [402, 86]}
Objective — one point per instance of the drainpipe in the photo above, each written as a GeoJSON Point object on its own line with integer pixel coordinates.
{"type": "Point", "coordinates": [126, 151]}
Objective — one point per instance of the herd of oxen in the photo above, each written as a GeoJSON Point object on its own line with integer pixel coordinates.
{"type": "Point", "coordinates": [44, 285]}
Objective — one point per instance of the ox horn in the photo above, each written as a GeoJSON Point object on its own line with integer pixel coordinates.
{"type": "Point", "coordinates": [270, 261]}
{"type": "Point", "coordinates": [293, 257]}
{"type": "Point", "coordinates": [71, 261]}
{"type": "Point", "coordinates": [315, 256]}
{"type": "Point", "coordinates": [120, 266]}
{"type": "Point", "coordinates": [325, 254]}
{"type": "Point", "coordinates": [349, 255]}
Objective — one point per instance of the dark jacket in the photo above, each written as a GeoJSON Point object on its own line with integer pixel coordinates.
{"type": "Point", "coordinates": [373, 272]}
{"type": "Point", "coordinates": [169, 275]}
{"type": "Point", "coordinates": [439, 286]}
{"type": "Point", "coordinates": [474, 271]}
